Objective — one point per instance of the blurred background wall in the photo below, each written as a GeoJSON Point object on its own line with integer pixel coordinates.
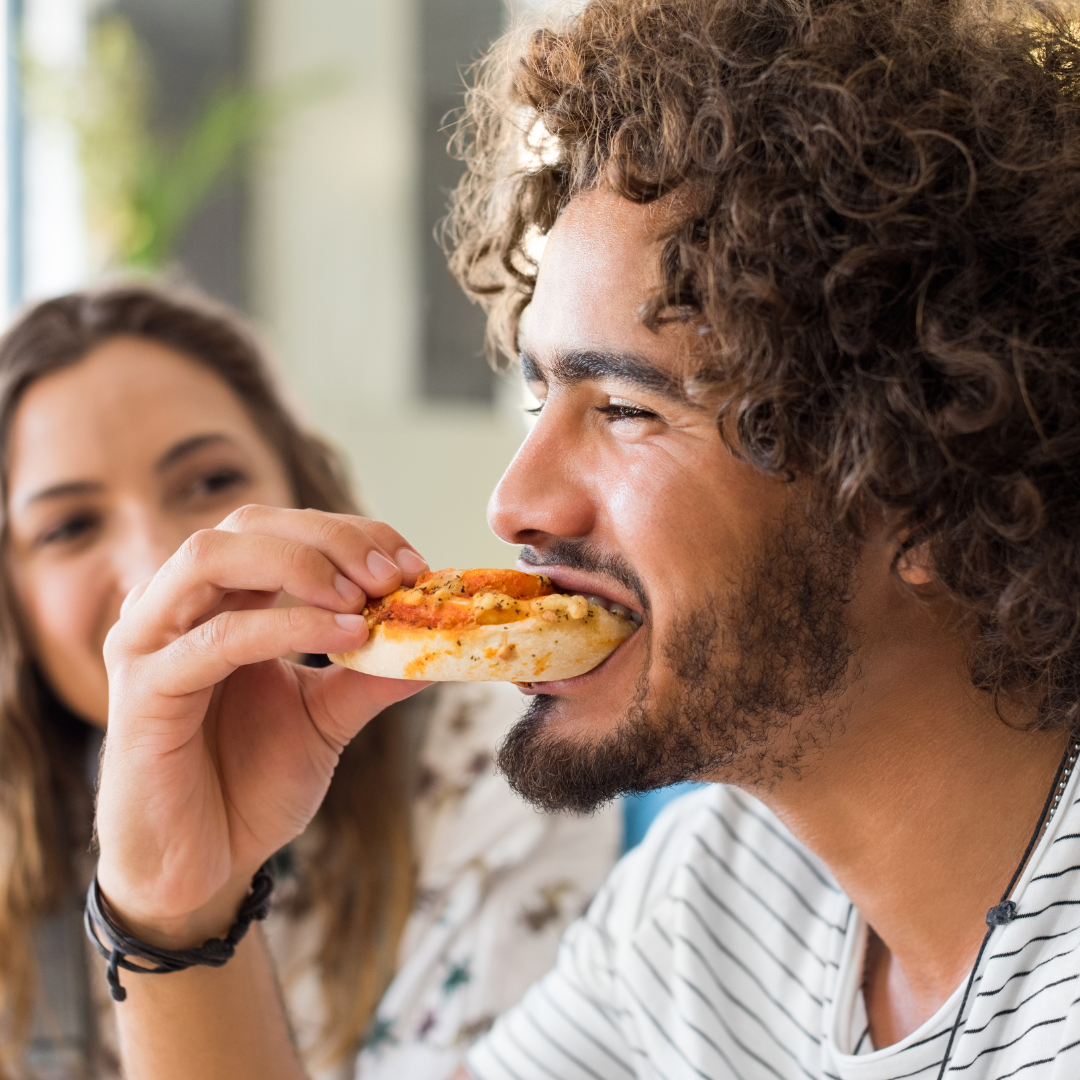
{"type": "Point", "coordinates": [288, 156]}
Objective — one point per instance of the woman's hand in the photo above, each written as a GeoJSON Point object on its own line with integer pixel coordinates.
{"type": "Point", "coordinates": [218, 751]}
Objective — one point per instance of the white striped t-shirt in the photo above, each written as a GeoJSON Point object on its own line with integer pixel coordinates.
{"type": "Point", "coordinates": [723, 948]}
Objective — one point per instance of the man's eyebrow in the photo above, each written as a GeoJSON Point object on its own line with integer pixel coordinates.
{"type": "Point", "coordinates": [188, 446]}
{"type": "Point", "coordinates": [589, 365]}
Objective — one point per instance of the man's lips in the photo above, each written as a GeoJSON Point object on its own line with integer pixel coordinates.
{"type": "Point", "coordinates": [596, 588]}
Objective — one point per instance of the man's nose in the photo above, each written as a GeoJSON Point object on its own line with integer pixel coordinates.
{"type": "Point", "coordinates": [544, 492]}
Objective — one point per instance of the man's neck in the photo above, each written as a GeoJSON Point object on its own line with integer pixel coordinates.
{"type": "Point", "coordinates": [922, 805]}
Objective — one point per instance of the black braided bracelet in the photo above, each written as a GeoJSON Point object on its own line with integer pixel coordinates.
{"type": "Point", "coordinates": [116, 945]}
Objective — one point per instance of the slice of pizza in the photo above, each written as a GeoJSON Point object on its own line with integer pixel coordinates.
{"type": "Point", "coordinates": [487, 625]}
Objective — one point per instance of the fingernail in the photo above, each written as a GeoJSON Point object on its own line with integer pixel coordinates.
{"type": "Point", "coordinates": [409, 561]}
{"type": "Point", "coordinates": [380, 566]}
{"type": "Point", "coordinates": [352, 623]}
{"type": "Point", "coordinates": [348, 590]}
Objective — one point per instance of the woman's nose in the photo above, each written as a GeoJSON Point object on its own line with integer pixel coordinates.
{"type": "Point", "coordinates": [543, 492]}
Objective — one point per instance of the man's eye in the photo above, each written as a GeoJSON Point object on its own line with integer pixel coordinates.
{"type": "Point", "coordinates": [626, 412]}
{"type": "Point", "coordinates": [72, 528]}
{"type": "Point", "coordinates": [535, 410]}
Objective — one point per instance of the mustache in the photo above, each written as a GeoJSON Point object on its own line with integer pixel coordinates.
{"type": "Point", "coordinates": [577, 554]}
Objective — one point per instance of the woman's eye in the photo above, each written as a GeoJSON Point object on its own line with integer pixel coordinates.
{"type": "Point", "coordinates": [72, 528]}
{"type": "Point", "coordinates": [535, 410]}
{"type": "Point", "coordinates": [216, 482]}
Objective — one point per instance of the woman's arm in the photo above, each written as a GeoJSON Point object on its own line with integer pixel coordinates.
{"type": "Point", "coordinates": [215, 1024]}
{"type": "Point", "coordinates": [221, 1024]}
{"type": "Point", "coordinates": [217, 754]}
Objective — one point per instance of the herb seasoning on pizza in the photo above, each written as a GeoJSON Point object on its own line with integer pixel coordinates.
{"type": "Point", "coordinates": [487, 625]}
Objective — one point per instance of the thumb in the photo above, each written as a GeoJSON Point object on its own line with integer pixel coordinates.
{"type": "Point", "coordinates": [342, 701]}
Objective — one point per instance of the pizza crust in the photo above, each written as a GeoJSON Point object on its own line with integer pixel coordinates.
{"type": "Point", "coordinates": [533, 649]}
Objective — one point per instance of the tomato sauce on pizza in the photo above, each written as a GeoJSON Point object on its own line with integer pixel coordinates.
{"type": "Point", "coordinates": [453, 599]}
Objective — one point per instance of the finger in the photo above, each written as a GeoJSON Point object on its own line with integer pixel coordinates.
{"type": "Point", "coordinates": [213, 650]}
{"type": "Point", "coordinates": [212, 563]}
{"type": "Point", "coordinates": [133, 596]}
{"type": "Point", "coordinates": [408, 560]}
{"type": "Point", "coordinates": [358, 545]}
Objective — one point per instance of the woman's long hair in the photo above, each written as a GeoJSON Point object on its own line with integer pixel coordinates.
{"type": "Point", "coordinates": [354, 862]}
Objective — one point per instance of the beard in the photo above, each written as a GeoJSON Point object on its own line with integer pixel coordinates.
{"type": "Point", "coordinates": [752, 681]}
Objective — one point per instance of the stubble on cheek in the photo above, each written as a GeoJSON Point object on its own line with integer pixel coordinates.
{"type": "Point", "coordinates": [753, 691]}
{"type": "Point", "coordinates": [757, 674]}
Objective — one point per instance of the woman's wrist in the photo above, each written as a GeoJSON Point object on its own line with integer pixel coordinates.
{"type": "Point", "coordinates": [180, 931]}
{"type": "Point", "coordinates": [130, 952]}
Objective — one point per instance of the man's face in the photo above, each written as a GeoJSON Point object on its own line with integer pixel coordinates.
{"type": "Point", "coordinates": [626, 490]}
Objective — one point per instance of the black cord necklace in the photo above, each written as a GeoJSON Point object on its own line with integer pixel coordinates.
{"type": "Point", "coordinates": [1004, 911]}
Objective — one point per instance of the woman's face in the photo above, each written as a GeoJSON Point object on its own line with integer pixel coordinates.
{"type": "Point", "coordinates": [114, 462]}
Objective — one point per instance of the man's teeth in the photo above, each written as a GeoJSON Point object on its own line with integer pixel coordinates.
{"type": "Point", "coordinates": [621, 610]}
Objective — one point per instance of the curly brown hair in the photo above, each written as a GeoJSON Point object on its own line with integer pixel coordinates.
{"type": "Point", "coordinates": [882, 248]}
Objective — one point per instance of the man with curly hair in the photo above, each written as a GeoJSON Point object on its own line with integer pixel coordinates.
{"type": "Point", "coordinates": [804, 338]}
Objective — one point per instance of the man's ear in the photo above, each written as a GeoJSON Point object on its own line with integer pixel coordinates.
{"type": "Point", "coordinates": [914, 565]}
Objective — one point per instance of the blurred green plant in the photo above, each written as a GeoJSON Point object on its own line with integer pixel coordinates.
{"type": "Point", "coordinates": [143, 185]}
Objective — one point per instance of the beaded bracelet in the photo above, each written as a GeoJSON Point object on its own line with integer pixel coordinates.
{"type": "Point", "coordinates": [116, 945]}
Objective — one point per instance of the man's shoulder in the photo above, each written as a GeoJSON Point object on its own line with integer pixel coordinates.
{"type": "Point", "coordinates": [719, 840]}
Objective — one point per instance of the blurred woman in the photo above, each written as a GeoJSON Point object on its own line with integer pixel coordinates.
{"type": "Point", "coordinates": [131, 418]}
